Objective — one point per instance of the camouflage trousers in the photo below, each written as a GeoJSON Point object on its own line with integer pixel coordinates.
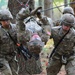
{"type": "Point", "coordinates": [54, 67]}
{"type": "Point", "coordinates": [30, 66]}
{"type": "Point", "coordinates": [8, 68]}
{"type": "Point", "coordinates": [5, 70]}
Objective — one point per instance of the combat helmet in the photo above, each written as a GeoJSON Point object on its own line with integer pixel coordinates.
{"type": "Point", "coordinates": [68, 9]}
{"type": "Point", "coordinates": [67, 19]}
{"type": "Point", "coordinates": [5, 14]}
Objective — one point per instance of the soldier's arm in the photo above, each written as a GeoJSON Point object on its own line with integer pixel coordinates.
{"type": "Point", "coordinates": [21, 15]}
{"type": "Point", "coordinates": [51, 36]}
{"type": "Point", "coordinates": [43, 20]}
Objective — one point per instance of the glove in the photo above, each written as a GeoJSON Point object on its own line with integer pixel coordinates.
{"type": "Point", "coordinates": [23, 13]}
{"type": "Point", "coordinates": [33, 12]}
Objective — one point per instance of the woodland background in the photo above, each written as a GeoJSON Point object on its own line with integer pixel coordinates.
{"type": "Point", "coordinates": [51, 8]}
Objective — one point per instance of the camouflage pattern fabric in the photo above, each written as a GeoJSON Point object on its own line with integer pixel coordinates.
{"type": "Point", "coordinates": [35, 44]}
{"type": "Point", "coordinates": [66, 49]}
{"type": "Point", "coordinates": [30, 66]}
{"type": "Point", "coordinates": [5, 70]}
{"type": "Point", "coordinates": [46, 24]}
{"type": "Point", "coordinates": [7, 50]}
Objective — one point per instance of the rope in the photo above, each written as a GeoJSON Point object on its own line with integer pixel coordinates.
{"type": "Point", "coordinates": [57, 6]}
{"type": "Point", "coordinates": [27, 3]}
{"type": "Point", "coordinates": [22, 4]}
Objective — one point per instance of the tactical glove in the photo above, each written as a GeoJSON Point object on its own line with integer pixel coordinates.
{"type": "Point", "coordinates": [33, 12]}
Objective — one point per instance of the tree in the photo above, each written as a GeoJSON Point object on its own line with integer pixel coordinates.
{"type": "Point", "coordinates": [48, 4]}
{"type": "Point", "coordinates": [41, 3]}
{"type": "Point", "coordinates": [15, 5]}
{"type": "Point", "coordinates": [72, 4]}
{"type": "Point", "coordinates": [66, 3]}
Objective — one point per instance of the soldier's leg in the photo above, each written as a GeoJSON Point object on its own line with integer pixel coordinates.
{"type": "Point", "coordinates": [70, 67]}
{"type": "Point", "coordinates": [14, 66]}
{"type": "Point", "coordinates": [53, 67]}
{"type": "Point", "coordinates": [5, 70]}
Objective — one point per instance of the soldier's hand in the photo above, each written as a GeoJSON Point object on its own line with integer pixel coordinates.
{"type": "Point", "coordinates": [33, 12]}
{"type": "Point", "coordinates": [24, 11]}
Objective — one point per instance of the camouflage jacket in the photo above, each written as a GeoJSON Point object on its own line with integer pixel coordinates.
{"type": "Point", "coordinates": [66, 47]}
{"type": "Point", "coordinates": [46, 23]}
{"type": "Point", "coordinates": [7, 46]}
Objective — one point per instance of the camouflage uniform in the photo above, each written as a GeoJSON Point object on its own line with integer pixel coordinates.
{"type": "Point", "coordinates": [46, 23]}
{"type": "Point", "coordinates": [31, 66]}
{"type": "Point", "coordinates": [65, 50]}
{"type": "Point", "coordinates": [7, 47]}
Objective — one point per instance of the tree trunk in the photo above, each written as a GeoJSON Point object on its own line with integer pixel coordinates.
{"type": "Point", "coordinates": [41, 3]}
{"type": "Point", "coordinates": [48, 4]}
{"type": "Point", "coordinates": [15, 5]}
{"type": "Point", "coordinates": [72, 4]}
{"type": "Point", "coordinates": [66, 3]}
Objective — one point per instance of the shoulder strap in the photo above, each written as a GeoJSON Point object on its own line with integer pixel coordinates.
{"type": "Point", "coordinates": [58, 43]}
{"type": "Point", "coordinates": [21, 49]}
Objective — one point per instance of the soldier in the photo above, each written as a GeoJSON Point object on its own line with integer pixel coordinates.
{"type": "Point", "coordinates": [32, 66]}
{"type": "Point", "coordinates": [65, 51]}
{"type": "Point", "coordinates": [46, 23]}
{"type": "Point", "coordinates": [67, 9]}
{"type": "Point", "coordinates": [8, 62]}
